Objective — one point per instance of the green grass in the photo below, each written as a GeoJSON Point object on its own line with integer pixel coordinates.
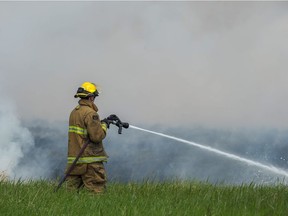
{"type": "Point", "coordinates": [147, 198]}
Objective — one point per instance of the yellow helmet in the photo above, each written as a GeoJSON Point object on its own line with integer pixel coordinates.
{"type": "Point", "coordinates": [87, 89]}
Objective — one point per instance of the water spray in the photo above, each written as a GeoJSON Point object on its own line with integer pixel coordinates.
{"type": "Point", "coordinates": [226, 154]}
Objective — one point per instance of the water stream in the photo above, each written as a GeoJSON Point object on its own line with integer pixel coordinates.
{"type": "Point", "coordinates": [225, 154]}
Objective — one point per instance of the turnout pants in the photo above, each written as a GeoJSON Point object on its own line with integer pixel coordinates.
{"type": "Point", "coordinates": [91, 176]}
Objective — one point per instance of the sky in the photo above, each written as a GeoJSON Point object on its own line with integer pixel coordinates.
{"type": "Point", "coordinates": [221, 64]}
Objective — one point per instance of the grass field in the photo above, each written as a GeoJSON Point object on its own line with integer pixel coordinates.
{"type": "Point", "coordinates": [147, 198]}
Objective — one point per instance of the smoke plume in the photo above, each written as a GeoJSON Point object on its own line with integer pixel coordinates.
{"type": "Point", "coordinates": [39, 150]}
{"type": "Point", "coordinates": [220, 65]}
{"type": "Point", "coordinates": [15, 140]}
{"type": "Point", "coordinates": [214, 63]}
{"type": "Point", "coordinates": [30, 150]}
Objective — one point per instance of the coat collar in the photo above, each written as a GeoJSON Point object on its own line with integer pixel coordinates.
{"type": "Point", "coordinates": [84, 102]}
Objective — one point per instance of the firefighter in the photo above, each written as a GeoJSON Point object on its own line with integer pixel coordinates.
{"type": "Point", "coordinates": [85, 126]}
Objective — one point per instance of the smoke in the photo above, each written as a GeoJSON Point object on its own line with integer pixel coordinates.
{"type": "Point", "coordinates": [47, 158]}
{"type": "Point", "coordinates": [216, 64]}
{"type": "Point", "coordinates": [15, 139]}
{"type": "Point", "coordinates": [30, 150]}
{"type": "Point", "coordinates": [142, 155]}
{"type": "Point", "coordinates": [39, 149]}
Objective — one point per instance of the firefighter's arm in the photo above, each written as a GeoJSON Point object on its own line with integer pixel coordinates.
{"type": "Point", "coordinates": [96, 130]}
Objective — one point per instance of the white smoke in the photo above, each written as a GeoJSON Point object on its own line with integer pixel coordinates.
{"type": "Point", "coordinates": [38, 150]}
{"type": "Point", "coordinates": [222, 64]}
{"type": "Point", "coordinates": [15, 139]}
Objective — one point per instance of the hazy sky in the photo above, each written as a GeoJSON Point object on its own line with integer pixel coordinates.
{"type": "Point", "coordinates": [170, 63]}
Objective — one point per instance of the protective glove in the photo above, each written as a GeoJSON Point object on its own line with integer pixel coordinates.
{"type": "Point", "coordinates": [106, 121]}
{"type": "Point", "coordinates": [113, 117]}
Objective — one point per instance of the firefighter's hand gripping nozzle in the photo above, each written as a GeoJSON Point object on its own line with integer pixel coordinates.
{"type": "Point", "coordinates": [114, 119]}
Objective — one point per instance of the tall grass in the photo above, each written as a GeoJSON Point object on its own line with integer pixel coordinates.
{"type": "Point", "coordinates": [147, 198]}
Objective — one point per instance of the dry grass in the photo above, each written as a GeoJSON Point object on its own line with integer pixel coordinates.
{"type": "Point", "coordinates": [3, 176]}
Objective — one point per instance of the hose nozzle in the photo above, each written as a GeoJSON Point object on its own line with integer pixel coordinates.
{"type": "Point", "coordinates": [116, 121]}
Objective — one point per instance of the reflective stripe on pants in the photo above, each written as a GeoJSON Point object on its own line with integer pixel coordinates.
{"type": "Point", "coordinates": [83, 160]}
